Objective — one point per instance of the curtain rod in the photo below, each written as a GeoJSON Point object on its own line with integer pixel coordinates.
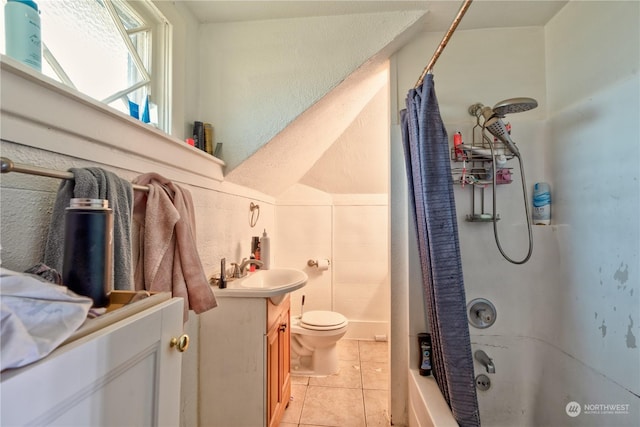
{"type": "Point", "coordinates": [445, 40]}
{"type": "Point", "coordinates": [9, 166]}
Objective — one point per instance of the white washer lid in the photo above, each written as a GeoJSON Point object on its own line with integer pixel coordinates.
{"type": "Point", "coordinates": [322, 318]}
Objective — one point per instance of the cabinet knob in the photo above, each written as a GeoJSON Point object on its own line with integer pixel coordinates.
{"type": "Point", "coordinates": [181, 343]}
{"type": "Point", "coordinates": [283, 327]}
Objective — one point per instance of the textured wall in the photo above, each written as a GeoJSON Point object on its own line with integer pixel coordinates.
{"type": "Point", "coordinates": [257, 77]}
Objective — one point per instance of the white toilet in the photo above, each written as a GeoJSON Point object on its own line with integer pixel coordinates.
{"type": "Point", "coordinates": [313, 342]}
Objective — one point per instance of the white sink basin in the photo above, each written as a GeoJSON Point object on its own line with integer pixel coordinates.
{"type": "Point", "coordinates": [272, 279]}
{"type": "Point", "coordinates": [265, 283]}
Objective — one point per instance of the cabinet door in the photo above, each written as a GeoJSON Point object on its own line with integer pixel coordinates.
{"type": "Point", "coordinates": [124, 374]}
{"type": "Point", "coordinates": [285, 357]}
{"type": "Point", "coordinates": [273, 368]}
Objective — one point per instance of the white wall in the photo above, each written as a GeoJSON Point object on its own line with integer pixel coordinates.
{"type": "Point", "coordinates": [352, 232]}
{"type": "Point", "coordinates": [593, 57]}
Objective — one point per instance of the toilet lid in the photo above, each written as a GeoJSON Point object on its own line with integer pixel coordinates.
{"type": "Point", "coordinates": [322, 319]}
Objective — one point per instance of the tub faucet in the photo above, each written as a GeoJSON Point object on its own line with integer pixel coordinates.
{"type": "Point", "coordinates": [240, 270]}
{"type": "Point", "coordinates": [485, 360]}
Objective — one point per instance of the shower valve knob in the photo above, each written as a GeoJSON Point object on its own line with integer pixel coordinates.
{"type": "Point", "coordinates": [481, 312]}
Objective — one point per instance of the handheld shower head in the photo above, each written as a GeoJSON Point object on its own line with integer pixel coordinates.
{"type": "Point", "coordinates": [496, 127]}
{"type": "Point", "coordinates": [494, 124]}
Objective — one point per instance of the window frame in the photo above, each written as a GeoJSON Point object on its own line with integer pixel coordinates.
{"type": "Point", "coordinates": [161, 58]}
{"type": "Point", "coordinates": [160, 61]}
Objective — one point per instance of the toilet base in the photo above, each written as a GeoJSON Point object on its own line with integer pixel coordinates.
{"type": "Point", "coordinates": [322, 363]}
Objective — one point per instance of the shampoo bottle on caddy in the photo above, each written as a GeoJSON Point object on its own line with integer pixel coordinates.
{"type": "Point", "coordinates": [541, 203]}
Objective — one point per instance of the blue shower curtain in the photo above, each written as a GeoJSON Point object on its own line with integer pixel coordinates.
{"type": "Point", "coordinates": [431, 192]}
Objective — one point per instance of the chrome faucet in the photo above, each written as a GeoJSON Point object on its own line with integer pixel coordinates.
{"type": "Point", "coordinates": [240, 270]}
{"type": "Point", "coordinates": [485, 360]}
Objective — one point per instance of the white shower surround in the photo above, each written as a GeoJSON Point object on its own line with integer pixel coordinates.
{"type": "Point", "coordinates": [567, 320]}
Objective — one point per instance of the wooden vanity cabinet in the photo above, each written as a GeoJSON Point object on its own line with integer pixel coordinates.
{"type": "Point", "coordinates": [245, 362]}
{"type": "Point", "coordinates": [278, 361]}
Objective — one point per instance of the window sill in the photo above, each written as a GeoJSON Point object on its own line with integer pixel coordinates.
{"type": "Point", "coordinates": [39, 112]}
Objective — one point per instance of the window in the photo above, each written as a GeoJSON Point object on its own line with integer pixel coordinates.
{"type": "Point", "coordinates": [112, 50]}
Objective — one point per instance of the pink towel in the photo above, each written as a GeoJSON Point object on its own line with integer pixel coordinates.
{"type": "Point", "coordinates": [168, 259]}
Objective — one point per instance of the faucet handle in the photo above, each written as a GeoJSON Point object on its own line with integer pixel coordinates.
{"type": "Point", "coordinates": [484, 315]}
{"type": "Point", "coordinates": [236, 270]}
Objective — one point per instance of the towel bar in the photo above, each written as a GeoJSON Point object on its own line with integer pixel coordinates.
{"type": "Point", "coordinates": [9, 166]}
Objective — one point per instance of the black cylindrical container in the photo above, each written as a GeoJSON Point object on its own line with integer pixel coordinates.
{"type": "Point", "coordinates": [88, 249]}
{"type": "Point", "coordinates": [424, 341]}
{"type": "Point", "coordinates": [255, 244]}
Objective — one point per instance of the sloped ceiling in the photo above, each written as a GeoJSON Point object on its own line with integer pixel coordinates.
{"type": "Point", "coordinates": [358, 161]}
{"type": "Point", "coordinates": [257, 77]}
{"type": "Point", "coordinates": [287, 158]}
{"type": "Point", "coordinates": [289, 139]}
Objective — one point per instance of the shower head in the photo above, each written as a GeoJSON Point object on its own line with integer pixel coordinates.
{"type": "Point", "coordinates": [514, 105]}
{"type": "Point", "coordinates": [493, 118]}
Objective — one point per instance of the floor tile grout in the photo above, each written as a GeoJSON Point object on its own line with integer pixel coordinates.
{"type": "Point", "coordinates": [379, 417]}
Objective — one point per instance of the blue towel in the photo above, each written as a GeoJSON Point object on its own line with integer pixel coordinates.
{"type": "Point", "coordinates": [96, 183]}
{"type": "Point", "coordinates": [431, 192]}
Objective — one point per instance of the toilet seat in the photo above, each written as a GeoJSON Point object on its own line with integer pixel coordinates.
{"type": "Point", "coordinates": [322, 320]}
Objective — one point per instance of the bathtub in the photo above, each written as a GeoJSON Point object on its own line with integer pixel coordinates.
{"type": "Point", "coordinates": [534, 384]}
{"type": "Point", "coordinates": [427, 407]}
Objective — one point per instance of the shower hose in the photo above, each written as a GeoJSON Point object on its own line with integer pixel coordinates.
{"type": "Point", "coordinates": [526, 207]}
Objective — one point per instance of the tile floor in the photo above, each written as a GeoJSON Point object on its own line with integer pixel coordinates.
{"type": "Point", "coordinates": [357, 396]}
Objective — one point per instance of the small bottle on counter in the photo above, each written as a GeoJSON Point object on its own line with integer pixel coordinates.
{"type": "Point", "coordinates": [255, 251]}
{"type": "Point", "coordinates": [265, 250]}
{"type": "Point", "coordinates": [222, 282]}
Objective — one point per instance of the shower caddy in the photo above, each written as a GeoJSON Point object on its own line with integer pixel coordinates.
{"type": "Point", "coordinates": [476, 165]}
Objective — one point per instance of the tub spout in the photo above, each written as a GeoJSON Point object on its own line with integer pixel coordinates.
{"type": "Point", "coordinates": [485, 360]}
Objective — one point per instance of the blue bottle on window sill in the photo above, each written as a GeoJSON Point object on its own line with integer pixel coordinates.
{"type": "Point", "coordinates": [22, 32]}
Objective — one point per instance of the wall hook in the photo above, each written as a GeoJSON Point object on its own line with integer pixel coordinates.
{"type": "Point", "coordinates": [255, 214]}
